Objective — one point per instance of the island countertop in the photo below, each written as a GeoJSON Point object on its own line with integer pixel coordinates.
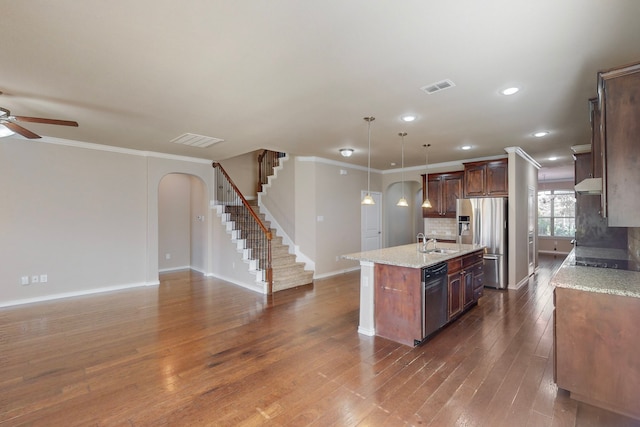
{"type": "Point", "coordinates": [593, 279]}
{"type": "Point", "coordinates": [409, 256]}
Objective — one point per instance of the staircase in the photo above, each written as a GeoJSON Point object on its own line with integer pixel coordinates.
{"type": "Point", "coordinates": [266, 255]}
{"type": "Point", "coordinates": [286, 272]}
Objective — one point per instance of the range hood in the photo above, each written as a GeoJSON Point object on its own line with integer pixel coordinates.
{"type": "Point", "coordinates": [589, 186]}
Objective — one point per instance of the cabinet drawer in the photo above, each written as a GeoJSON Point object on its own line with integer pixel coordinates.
{"type": "Point", "coordinates": [477, 293]}
{"type": "Point", "coordinates": [478, 281]}
{"type": "Point", "coordinates": [454, 265]}
{"type": "Point", "coordinates": [474, 258]}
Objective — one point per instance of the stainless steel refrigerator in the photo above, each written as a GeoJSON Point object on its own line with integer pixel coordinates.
{"type": "Point", "coordinates": [483, 221]}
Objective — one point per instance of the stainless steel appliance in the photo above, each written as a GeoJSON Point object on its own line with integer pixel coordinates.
{"type": "Point", "coordinates": [436, 302]}
{"type": "Point", "coordinates": [483, 221]}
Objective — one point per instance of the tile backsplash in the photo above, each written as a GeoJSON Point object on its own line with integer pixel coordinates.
{"type": "Point", "coordinates": [444, 228]}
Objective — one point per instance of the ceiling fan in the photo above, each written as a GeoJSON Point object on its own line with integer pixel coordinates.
{"type": "Point", "coordinates": [9, 121]}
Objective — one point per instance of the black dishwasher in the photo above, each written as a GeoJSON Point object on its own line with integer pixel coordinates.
{"type": "Point", "coordinates": [435, 294]}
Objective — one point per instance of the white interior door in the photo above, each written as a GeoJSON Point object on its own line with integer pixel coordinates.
{"type": "Point", "coordinates": [371, 223]}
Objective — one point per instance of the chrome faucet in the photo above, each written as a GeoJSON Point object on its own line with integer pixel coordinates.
{"type": "Point", "coordinates": [423, 241]}
{"type": "Point", "coordinates": [435, 244]}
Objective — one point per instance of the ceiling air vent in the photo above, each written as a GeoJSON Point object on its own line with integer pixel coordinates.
{"type": "Point", "coordinates": [438, 86]}
{"type": "Point", "coordinates": [196, 140]}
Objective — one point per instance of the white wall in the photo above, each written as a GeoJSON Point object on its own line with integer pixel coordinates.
{"type": "Point", "coordinates": [83, 214]}
{"type": "Point", "coordinates": [78, 216]}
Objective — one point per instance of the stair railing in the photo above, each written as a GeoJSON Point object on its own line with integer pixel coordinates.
{"type": "Point", "coordinates": [256, 235]}
{"type": "Point", "coordinates": [267, 160]}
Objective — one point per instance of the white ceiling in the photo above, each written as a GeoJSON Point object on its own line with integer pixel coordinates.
{"type": "Point", "coordinates": [300, 75]}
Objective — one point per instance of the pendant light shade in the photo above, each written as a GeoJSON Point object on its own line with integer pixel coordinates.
{"type": "Point", "coordinates": [426, 203]}
{"type": "Point", "coordinates": [368, 200]}
{"type": "Point", "coordinates": [403, 200]}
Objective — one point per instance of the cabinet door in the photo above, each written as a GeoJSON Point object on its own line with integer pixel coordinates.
{"type": "Point", "coordinates": [435, 197]}
{"type": "Point", "coordinates": [455, 295]}
{"type": "Point", "coordinates": [497, 182]}
{"type": "Point", "coordinates": [451, 192]}
{"type": "Point", "coordinates": [621, 133]}
{"type": "Point", "coordinates": [596, 144]}
{"type": "Point", "coordinates": [474, 180]}
{"type": "Point", "coordinates": [467, 295]}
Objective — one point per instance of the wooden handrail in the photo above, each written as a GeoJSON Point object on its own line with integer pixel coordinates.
{"type": "Point", "coordinates": [265, 231]}
{"type": "Point", "coordinates": [244, 201]}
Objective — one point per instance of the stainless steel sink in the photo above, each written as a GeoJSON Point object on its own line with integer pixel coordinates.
{"type": "Point", "coordinates": [441, 251]}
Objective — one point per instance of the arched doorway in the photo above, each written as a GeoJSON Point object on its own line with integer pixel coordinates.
{"type": "Point", "coordinates": [182, 231]}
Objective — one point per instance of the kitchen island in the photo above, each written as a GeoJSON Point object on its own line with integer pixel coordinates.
{"type": "Point", "coordinates": [392, 300]}
{"type": "Point", "coordinates": [596, 346]}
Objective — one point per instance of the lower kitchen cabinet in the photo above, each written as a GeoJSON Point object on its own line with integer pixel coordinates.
{"type": "Point", "coordinates": [596, 348]}
{"type": "Point", "coordinates": [465, 282]}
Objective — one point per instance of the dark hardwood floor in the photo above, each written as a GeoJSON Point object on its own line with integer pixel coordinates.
{"type": "Point", "coordinates": [198, 351]}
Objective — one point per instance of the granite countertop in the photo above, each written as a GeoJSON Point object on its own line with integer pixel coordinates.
{"type": "Point", "coordinates": [594, 279]}
{"type": "Point", "coordinates": [409, 256]}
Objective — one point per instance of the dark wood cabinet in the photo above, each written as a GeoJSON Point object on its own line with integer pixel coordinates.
{"type": "Point", "coordinates": [619, 102]}
{"type": "Point", "coordinates": [465, 282]}
{"type": "Point", "coordinates": [595, 170]}
{"type": "Point", "coordinates": [444, 190]}
{"type": "Point", "coordinates": [595, 355]}
{"type": "Point", "coordinates": [455, 295]}
{"type": "Point", "coordinates": [486, 179]}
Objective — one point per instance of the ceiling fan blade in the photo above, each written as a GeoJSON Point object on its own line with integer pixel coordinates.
{"type": "Point", "coordinates": [19, 129]}
{"type": "Point", "coordinates": [46, 121]}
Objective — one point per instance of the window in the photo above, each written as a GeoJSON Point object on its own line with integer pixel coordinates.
{"type": "Point", "coordinates": [556, 213]}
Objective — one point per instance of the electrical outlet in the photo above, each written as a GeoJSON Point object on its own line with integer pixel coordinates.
{"type": "Point", "coordinates": [24, 280]}
{"type": "Point", "coordinates": [35, 279]}
{"type": "Point", "coordinates": [167, 256]}
{"type": "Point", "coordinates": [43, 278]}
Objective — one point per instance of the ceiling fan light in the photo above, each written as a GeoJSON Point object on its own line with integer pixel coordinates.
{"type": "Point", "coordinates": [5, 131]}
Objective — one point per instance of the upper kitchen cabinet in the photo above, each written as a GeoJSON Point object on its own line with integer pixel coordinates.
{"type": "Point", "coordinates": [444, 190]}
{"type": "Point", "coordinates": [486, 179]}
{"type": "Point", "coordinates": [619, 102]}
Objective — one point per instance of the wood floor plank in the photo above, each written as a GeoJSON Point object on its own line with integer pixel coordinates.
{"type": "Point", "coordinates": [197, 351]}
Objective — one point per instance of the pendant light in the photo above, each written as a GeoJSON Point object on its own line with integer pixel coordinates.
{"type": "Point", "coordinates": [402, 201]}
{"type": "Point", "coordinates": [368, 200]}
{"type": "Point", "coordinates": [426, 203]}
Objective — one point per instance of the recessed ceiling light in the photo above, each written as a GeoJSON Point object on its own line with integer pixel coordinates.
{"type": "Point", "coordinates": [510, 91]}
{"type": "Point", "coordinates": [554, 158]}
{"type": "Point", "coordinates": [541, 134]}
{"type": "Point", "coordinates": [466, 147]}
{"type": "Point", "coordinates": [408, 118]}
{"type": "Point", "coordinates": [346, 152]}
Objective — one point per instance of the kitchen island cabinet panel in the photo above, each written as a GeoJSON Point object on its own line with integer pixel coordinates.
{"type": "Point", "coordinates": [398, 303]}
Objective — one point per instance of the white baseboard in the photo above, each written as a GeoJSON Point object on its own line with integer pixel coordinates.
{"type": "Point", "coordinates": [256, 286]}
{"type": "Point", "coordinates": [336, 273]}
{"type": "Point", "coordinates": [76, 294]}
